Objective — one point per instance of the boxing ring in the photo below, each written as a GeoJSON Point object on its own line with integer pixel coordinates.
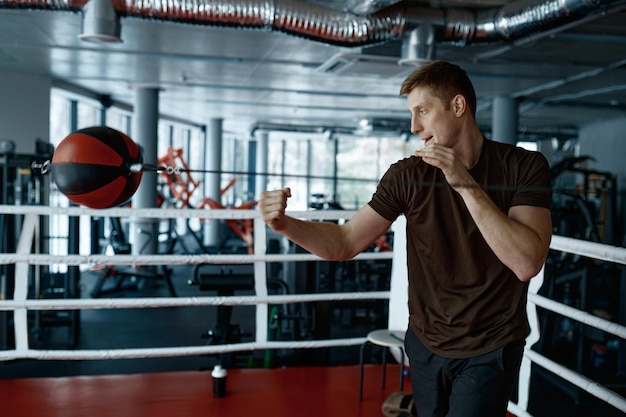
{"type": "Point", "coordinates": [23, 260]}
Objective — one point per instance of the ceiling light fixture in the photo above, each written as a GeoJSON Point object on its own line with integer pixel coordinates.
{"type": "Point", "coordinates": [101, 24]}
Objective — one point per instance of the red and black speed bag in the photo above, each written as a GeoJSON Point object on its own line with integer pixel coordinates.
{"type": "Point", "coordinates": [92, 167]}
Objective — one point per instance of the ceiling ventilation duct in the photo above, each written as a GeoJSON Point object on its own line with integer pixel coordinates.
{"type": "Point", "coordinates": [514, 21]}
{"type": "Point", "coordinates": [101, 24]}
{"type": "Point", "coordinates": [418, 47]}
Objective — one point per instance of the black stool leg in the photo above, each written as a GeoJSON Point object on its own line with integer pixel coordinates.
{"type": "Point", "coordinates": [361, 358]}
{"type": "Point", "coordinates": [402, 370]}
{"type": "Point", "coordinates": [384, 376]}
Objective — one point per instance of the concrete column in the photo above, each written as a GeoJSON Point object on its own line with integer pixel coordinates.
{"type": "Point", "coordinates": [212, 229]}
{"type": "Point", "coordinates": [145, 134]}
{"type": "Point", "coordinates": [262, 149]}
{"type": "Point", "coordinates": [505, 119]}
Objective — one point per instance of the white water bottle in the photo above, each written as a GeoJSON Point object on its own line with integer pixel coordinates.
{"type": "Point", "coordinates": [219, 381]}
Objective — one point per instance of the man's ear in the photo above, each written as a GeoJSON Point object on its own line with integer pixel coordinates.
{"type": "Point", "coordinates": [459, 105]}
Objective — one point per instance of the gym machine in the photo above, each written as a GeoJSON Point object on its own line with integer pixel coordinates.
{"type": "Point", "coordinates": [23, 183]}
{"type": "Point", "coordinates": [584, 207]}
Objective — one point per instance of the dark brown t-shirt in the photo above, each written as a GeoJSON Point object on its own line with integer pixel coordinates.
{"type": "Point", "coordinates": [463, 301]}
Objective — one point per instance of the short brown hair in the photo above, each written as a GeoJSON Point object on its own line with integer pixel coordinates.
{"type": "Point", "coordinates": [446, 80]}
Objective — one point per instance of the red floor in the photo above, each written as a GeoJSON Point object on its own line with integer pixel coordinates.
{"type": "Point", "coordinates": [288, 392]}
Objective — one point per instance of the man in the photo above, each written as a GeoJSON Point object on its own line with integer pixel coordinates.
{"type": "Point", "coordinates": [478, 229]}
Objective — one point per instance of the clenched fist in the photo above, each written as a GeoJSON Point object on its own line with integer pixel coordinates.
{"type": "Point", "coordinates": [272, 205]}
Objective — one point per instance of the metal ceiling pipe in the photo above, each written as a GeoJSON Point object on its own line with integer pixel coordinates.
{"type": "Point", "coordinates": [292, 17]}
{"type": "Point", "coordinates": [366, 7]}
{"type": "Point", "coordinates": [511, 22]}
{"type": "Point", "coordinates": [299, 18]}
{"type": "Point", "coordinates": [524, 18]}
{"type": "Point", "coordinates": [337, 28]}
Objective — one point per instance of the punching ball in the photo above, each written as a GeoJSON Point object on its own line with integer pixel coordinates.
{"type": "Point", "coordinates": [92, 167]}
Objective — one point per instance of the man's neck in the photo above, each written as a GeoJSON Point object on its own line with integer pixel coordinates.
{"type": "Point", "coordinates": [470, 148]}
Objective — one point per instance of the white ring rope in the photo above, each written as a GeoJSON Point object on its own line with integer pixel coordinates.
{"type": "Point", "coordinates": [99, 354]}
{"type": "Point", "coordinates": [121, 303]}
{"type": "Point", "coordinates": [20, 304]}
{"type": "Point", "coordinates": [589, 249]}
{"type": "Point", "coordinates": [578, 315]}
{"type": "Point", "coordinates": [579, 380]}
{"type": "Point", "coordinates": [138, 260]}
{"type": "Point", "coordinates": [168, 213]}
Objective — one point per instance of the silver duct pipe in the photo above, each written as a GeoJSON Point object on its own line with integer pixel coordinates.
{"type": "Point", "coordinates": [366, 7]}
{"type": "Point", "coordinates": [459, 26]}
{"type": "Point", "coordinates": [337, 28]}
{"type": "Point", "coordinates": [287, 16]}
{"type": "Point", "coordinates": [521, 19]}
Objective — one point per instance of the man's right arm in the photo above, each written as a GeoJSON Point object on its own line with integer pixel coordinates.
{"type": "Point", "coordinates": [327, 240]}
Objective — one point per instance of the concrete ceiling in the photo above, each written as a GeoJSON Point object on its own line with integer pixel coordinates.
{"type": "Point", "coordinates": [570, 75]}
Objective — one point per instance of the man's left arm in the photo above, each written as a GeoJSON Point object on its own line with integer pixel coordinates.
{"type": "Point", "coordinates": [520, 238]}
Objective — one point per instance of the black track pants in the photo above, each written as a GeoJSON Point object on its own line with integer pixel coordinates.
{"type": "Point", "coordinates": [473, 387]}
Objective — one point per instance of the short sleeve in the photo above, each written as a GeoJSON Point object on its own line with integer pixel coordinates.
{"type": "Point", "coordinates": [535, 182]}
{"type": "Point", "coordinates": [387, 200]}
